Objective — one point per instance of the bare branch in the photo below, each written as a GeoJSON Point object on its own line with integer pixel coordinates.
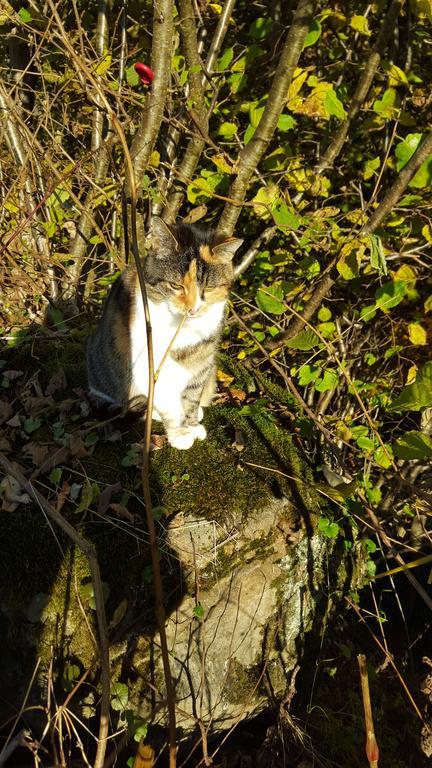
{"type": "Point", "coordinates": [252, 154]}
{"type": "Point", "coordinates": [145, 138]}
{"type": "Point", "coordinates": [196, 146]}
{"type": "Point", "coordinates": [250, 254]}
{"type": "Point", "coordinates": [369, 68]}
{"type": "Point", "coordinates": [101, 49]}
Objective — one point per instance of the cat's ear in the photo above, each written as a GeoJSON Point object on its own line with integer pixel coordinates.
{"type": "Point", "coordinates": [162, 238]}
{"type": "Point", "coordinates": [224, 251]}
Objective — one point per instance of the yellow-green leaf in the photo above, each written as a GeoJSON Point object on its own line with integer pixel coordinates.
{"type": "Point", "coordinates": [103, 65]}
{"type": "Point", "coordinates": [360, 24]}
{"type": "Point", "coordinates": [417, 334]}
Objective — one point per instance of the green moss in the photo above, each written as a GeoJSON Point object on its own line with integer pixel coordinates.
{"type": "Point", "coordinates": [240, 682]}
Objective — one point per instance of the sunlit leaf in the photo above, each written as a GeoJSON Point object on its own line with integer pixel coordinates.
{"type": "Point", "coordinates": [413, 445]}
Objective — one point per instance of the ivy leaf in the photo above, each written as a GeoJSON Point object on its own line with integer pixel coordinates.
{"type": "Point", "coordinates": [270, 300]}
{"type": "Point", "coordinates": [413, 445]}
{"type": "Point", "coordinates": [119, 697]}
{"type": "Point", "coordinates": [416, 395]}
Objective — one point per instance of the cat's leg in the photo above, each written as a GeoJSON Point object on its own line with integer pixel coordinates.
{"type": "Point", "coordinates": [168, 403]}
{"type": "Point", "coordinates": [208, 392]}
{"type": "Point", "coordinates": [192, 397]}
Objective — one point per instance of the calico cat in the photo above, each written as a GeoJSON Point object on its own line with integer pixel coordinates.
{"type": "Point", "coordinates": [188, 271]}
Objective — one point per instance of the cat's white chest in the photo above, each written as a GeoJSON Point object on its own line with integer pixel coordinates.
{"type": "Point", "coordinates": [164, 327]}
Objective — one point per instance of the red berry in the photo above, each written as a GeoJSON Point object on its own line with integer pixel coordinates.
{"type": "Point", "coordinates": [145, 74]}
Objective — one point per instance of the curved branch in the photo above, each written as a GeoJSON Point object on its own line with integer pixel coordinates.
{"type": "Point", "coordinates": [101, 47]}
{"type": "Point", "coordinates": [252, 154]}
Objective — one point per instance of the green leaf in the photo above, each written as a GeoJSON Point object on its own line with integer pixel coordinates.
{"type": "Point", "coordinates": [328, 528]}
{"type": "Point", "coordinates": [132, 77]}
{"type": "Point", "coordinates": [55, 475]}
{"type": "Point", "coordinates": [25, 16]}
{"type": "Point", "coordinates": [141, 732]}
{"type": "Point", "coordinates": [383, 456]}
{"type": "Point", "coordinates": [307, 374]}
{"type": "Point", "coordinates": [270, 300]}
{"type": "Point", "coordinates": [227, 130]}
{"type": "Point", "coordinates": [324, 314]}
{"type": "Point", "coordinates": [406, 148]}
{"type": "Point", "coordinates": [360, 24]}
{"type": "Point", "coordinates": [350, 258]}
{"type": "Point", "coordinates": [389, 105]}
{"type": "Point", "coordinates": [198, 612]}
{"type": "Point", "coordinates": [416, 395]}
{"type": "Point", "coordinates": [284, 217]}
{"type": "Point", "coordinates": [328, 382]}
{"type": "Point", "coordinates": [131, 458]}
{"type": "Point", "coordinates": [313, 35]}
{"type": "Point", "coordinates": [304, 340]}
{"type": "Point", "coordinates": [286, 122]}
{"type": "Point", "coordinates": [103, 65]}
{"type": "Point", "coordinates": [390, 295]}
{"type": "Point", "coordinates": [119, 697]}
{"type": "Point", "coordinates": [370, 167]}
{"type": "Point", "coordinates": [417, 334]}
{"type": "Point", "coordinates": [31, 425]}
{"type": "Point", "coordinates": [333, 105]}
{"type": "Point", "coordinates": [260, 28]}
{"type": "Point", "coordinates": [413, 445]}
{"type": "Point", "coordinates": [377, 255]}
{"type": "Point", "coordinates": [225, 60]}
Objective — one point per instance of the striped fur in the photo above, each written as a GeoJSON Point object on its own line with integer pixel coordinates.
{"type": "Point", "coordinates": [188, 272]}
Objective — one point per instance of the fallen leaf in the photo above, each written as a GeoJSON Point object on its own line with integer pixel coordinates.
{"type": "Point", "coordinates": [122, 511]}
{"type": "Point", "coordinates": [14, 422]}
{"type": "Point", "coordinates": [77, 447]}
{"type": "Point", "coordinates": [36, 452]}
{"type": "Point", "coordinates": [105, 496]}
{"type": "Point", "coordinates": [237, 394]}
{"type": "Point", "coordinates": [58, 457]}
{"type": "Point", "coordinates": [6, 411]}
{"type": "Point", "coordinates": [56, 383]}
{"type": "Point", "coordinates": [157, 442]}
{"type": "Point", "coordinates": [62, 496]}
{"type": "Point", "coordinates": [10, 494]}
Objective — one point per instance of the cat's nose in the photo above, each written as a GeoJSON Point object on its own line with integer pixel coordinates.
{"type": "Point", "coordinates": [196, 308]}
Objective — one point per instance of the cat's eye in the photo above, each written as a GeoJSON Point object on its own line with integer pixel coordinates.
{"type": "Point", "coordinates": [175, 286]}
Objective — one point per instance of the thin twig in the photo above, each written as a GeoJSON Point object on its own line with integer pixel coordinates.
{"type": "Point", "coordinates": [372, 751]}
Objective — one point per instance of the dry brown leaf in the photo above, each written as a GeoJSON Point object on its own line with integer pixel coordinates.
{"type": "Point", "coordinates": [121, 511]}
{"type": "Point", "coordinates": [237, 394]}
{"type": "Point", "coordinates": [36, 452]}
{"type": "Point", "coordinates": [58, 457]}
{"type": "Point", "coordinates": [105, 496]}
{"type": "Point", "coordinates": [56, 383]}
{"type": "Point", "coordinates": [15, 421]}
{"type": "Point", "coordinates": [6, 411]}
{"type": "Point", "coordinates": [157, 442]}
{"type": "Point", "coordinates": [77, 447]}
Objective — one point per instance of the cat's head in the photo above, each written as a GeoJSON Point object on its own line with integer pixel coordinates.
{"type": "Point", "coordinates": [189, 268]}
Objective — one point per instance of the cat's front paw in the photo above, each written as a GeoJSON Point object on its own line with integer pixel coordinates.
{"type": "Point", "coordinates": [199, 431]}
{"type": "Point", "coordinates": [200, 413]}
{"type": "Point", "coordinates": [182, 438]}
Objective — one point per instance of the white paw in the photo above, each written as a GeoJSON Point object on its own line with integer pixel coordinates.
{"type": "Point", "coordinates": [182, 438]}
{"type": "Point", "coordinates": [200, 413]}
{"type": "Point", "coordinates": [199, 432]}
